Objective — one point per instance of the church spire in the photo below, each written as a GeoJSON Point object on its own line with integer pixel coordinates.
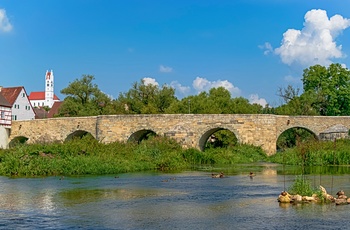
{"type": "Point", "coordinates": [49, 90]}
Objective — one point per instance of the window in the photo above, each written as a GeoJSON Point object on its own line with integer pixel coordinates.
{"type": "Point", "coordinates": [14, 117]}
{"type": "Point", "coordinates": [23, 94]}
{"type": "Point", "coordinates": [2, 114]}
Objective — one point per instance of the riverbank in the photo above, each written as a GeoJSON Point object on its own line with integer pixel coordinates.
{"type": "Point", "coordinates": [87, 156]}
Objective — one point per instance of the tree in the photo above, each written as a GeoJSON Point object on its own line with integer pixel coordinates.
{"type": "Point", "coordinates": [147, 98]}
{"type": "Point", "coordinates": [289, 93]}
{"type": "Point", "coordinates": [329, 89]}
{"type": "Point", "coordinates": [298, 105]}
{"type": "Point", "coordinates": [217, 101]}
{"type": "Point", "coordinates": [85, 99]}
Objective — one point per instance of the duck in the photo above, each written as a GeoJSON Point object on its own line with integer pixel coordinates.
{"type": "Point", "coordinates": [220, 175]}
{"type": "Point", "coordinates": [251, 174]}
{"type": "Point", "coordinates": [340, 193]}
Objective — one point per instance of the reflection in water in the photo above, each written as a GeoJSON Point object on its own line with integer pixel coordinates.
{"type": "Point", "coordinates": [193, 200]}
{"type": "Point", "coordinates": [80, 196]}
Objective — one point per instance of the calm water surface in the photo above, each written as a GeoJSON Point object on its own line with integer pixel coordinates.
{"type": "Point", "coordinates": [186, 200]}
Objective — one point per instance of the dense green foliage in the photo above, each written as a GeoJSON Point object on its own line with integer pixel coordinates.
{"type": "Point", "coordinates": [216, 101]}
{"type": "Point", "coordinates": [326, 93]}
{"type": "Point", "coordinates": [328, 89]}
{"type": "Point", "coordinates": [316, 153]}
{"type": "Point", "coordinates": [84, 98]}
{"type": "Point", "coordinates": [294, 137]}
{"type": "Point", "coordinates": [146, 99]}
{"type": "Point", "coordinates": [223, 139]}
{"type": "Point", "coordinates": [88, 156]}
{"type": "Point", "coordinates": [225, 156]}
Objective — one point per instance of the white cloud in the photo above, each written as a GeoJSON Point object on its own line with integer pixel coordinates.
{"type": "Point", "coordinates": [202, 84]}
{"type": "Point", "coordinates": [165, 69]}
{"type": "Point", "coordinates": [267, 47]}
{"type": "Point", "coordinates": [315, 43]}
{"type": "Point", "coordinates": [150, 81]}
{"type": "Point", "coordinates": [254, 99]}
{"type": "Point", "coordinates": [5, 24]}
{"type": "Point", "coordinates": [180, 88]}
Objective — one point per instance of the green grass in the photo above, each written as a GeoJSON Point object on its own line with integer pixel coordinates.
{"type": "Point", "coordinates": [88, 156]}
{"type": "Point", "coordinates": [302, 187]}
{"type": "Point", "coordinates": [315, 153]}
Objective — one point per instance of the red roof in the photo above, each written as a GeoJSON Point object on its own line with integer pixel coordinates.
{"type": "Point", "coordinates": [54, 109]}
{"type": "Point", "coordinates": [11, 93]}
{"type": "Point", "coordinates": [40, 96]}
{"type": "Point", "coordinates": [4, 102]}
{"type": "Point", "coordinates": [40, 113]}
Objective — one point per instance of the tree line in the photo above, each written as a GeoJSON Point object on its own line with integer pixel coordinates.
{"type": "Point", "coordinates": [326, 92]}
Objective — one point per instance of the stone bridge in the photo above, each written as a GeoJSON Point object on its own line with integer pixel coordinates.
{"type": "Point", "coordinates": [191, 130]}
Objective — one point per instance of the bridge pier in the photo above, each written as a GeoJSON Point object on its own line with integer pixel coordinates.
{"type": "Point", "coordinates": [4, 137]}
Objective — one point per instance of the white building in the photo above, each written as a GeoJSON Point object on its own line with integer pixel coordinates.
{"type": "Point", "coordinates": [18, 99]}
{"type": "Point", "coordinates": [46, 98]}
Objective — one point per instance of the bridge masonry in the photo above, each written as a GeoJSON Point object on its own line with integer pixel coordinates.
{"type": "Point", "coordinates": [190, 130]}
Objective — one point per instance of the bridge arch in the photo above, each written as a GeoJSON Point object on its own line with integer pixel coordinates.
{"type": "Point", "coordinates": [18, 140]}
{"type": "Point", "coordinates": [311, 130]}
{"type": "Point", "coordinates": [291, 137]}
{"type": "Point", "coordinates": [78, 134]}
{"type": "Point", "coordinates": [210, 131]}
{"type": "Point", "coordinates": [140, 135]}
{"type": "Point", "coordinates": [4, 133]}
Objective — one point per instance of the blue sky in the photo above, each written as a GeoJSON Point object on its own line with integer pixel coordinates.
{"type": "Point", "coordinates": [251, 47]}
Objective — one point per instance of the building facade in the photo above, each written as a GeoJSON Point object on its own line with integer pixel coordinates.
{"type": "Point", "coordinates": [5, 112]}
{"type": "Point", "coordinates": [5, 121]}
{"type": "Point", "coordinates": [19, 101]}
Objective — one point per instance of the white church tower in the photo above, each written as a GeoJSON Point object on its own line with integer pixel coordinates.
{"type": "Point", "coordinates": [47, 97]}
{"type": "Point", "coordinates": [49, 92]}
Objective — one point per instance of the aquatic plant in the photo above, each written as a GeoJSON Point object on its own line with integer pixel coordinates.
{"type": "Point", "coordinates": [302, 186]}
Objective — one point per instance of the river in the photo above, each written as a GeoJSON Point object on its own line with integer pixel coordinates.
{"type": "Point", "coordinates": [178, 200]}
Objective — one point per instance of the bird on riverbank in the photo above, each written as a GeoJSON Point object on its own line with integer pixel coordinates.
{"type": "Point", "coordinates": [251, 175]}
{"type": "Point", "coordinates": [220, 175]}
